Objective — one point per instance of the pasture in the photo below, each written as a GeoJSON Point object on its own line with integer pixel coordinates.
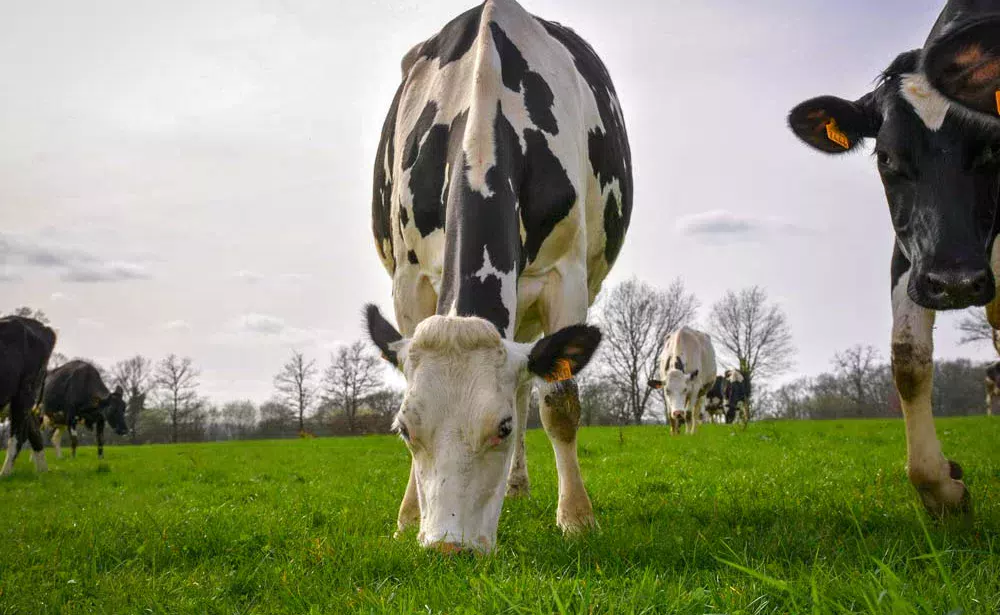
{"type": "Point", "coordinates": [785, 518]}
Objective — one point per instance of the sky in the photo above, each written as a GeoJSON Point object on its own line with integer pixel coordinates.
{"type": "Point", "coordinates": [195, 177]}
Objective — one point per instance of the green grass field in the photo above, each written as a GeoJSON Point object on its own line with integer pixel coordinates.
{"type": "Point", "coordinates": [785, 518]}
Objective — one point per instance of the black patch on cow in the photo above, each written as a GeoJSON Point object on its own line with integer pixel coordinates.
{"type": "Point", "coordinates": [538, 97]}
{"type": "Point", "coordinates": [423, 124]}
{"type": "Point", "coordinates": [900, 265]}
{"type": "Point", "coordinates": [608, 149]}
{"type": "Point", "coordinates": [411, 256]}
{"type": "Point", "coordinates": [615, 226]}
{"type": "Point", "coordinates": [25, 348]}
{"type": "Point", "coordinates": [476, 223]}
{"type": "Point", "coordinates": [382, 184]}
{"type": "Point", "coordinates": [547, 196]}
{"type": "Point", "coordinates": [678, 364]}
{"type": "Point", "coordinates": [455, 39]}
{"type": "Point", "coordinates": [427, 179]}
{"type": "Point", "coordinates": [404, 218]}
{"type": "Point", "coordinates": [575, 344]}
{"type": "Point", "coordinates": [381, 332]}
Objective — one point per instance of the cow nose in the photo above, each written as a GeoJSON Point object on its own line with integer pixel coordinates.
{"type": "Point", "coordinates": [953, 289]}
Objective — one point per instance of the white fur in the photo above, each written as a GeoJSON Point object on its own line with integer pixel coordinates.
{"type": "Point", "coordinates": [57, 441]}
{"type": "Point", "coordinates": [928, 103]}
{"type": "Point", "coordinates": [8, 462]}
{"type": "Point", "coordinates": [39, 459]}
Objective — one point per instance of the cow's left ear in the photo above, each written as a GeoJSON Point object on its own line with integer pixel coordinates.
{"type": "Point", "coordinates": [832, 125]}
{"type": "Point", "coordinates": [385, 336]}
{"type": "Point", "coordinates": [964, 64]}
{"type": "Point", "coordinates": [565, 353]}
{"type": "Point", "coordinates": [654, 384]}
{"type": "Point", "coordinates": [118, 392]}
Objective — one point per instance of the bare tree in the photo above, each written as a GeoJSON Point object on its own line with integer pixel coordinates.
{"type": "Point", "coordinates": [239, 417]}
{"type": "Point", "coordinates": [975, 328]}
{"type": "Point", "coordinates": [275, 417]}
{"type": "Point", "coordinates": [635, 318]}
{"type": "Point", "coordinates": [295, 385]}
{"type": "Point", "coordinates": [27, 312]}
{"type": "Point", "coordinates": [354, 373]}
{"type": "Point", "coordinates": [754, 333]}
{"type": "Point", "coordinates": [177, 381]}
{"type": "Point", "coordinates": [135, 377]}
{"type": "Point", "coordinates": [385, 402]}
{"type": "Point", "coordinates": [859, 368]}
{"type": "Point", "coordinates": [57, 359]}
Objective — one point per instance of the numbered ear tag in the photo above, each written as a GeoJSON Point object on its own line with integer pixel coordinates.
{"type": "Point", "coordinates": [998, 102]}
{"type": "Point", "coordinates": [836, 135]}
{"type": "Point", "coordinates": [562, 371]}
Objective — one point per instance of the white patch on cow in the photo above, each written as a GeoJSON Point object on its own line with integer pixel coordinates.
{"type": "Point", "coordinates": [928, 103]}
{"type": "Point", "coordinates": [57, 441]}
{"type": "Point", "coordinates": [39, 458]}
{"type": "Point", "coordinates": [8, 462]}
{"type": "Point", "coordinates": [508, 286]}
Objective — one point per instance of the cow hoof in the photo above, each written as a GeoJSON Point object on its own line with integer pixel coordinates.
{"type": "Point", "coordinates": [519, 489]}
{"type": "Point", "coordinates": [948, 498]}
{"type": "Point", "coordinates": [576, 524]}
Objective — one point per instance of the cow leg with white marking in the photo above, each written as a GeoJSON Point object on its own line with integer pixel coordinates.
{"type": "Point", "coordinates": [8, 462]}
{"type": "Point", "coordinates": [696, 413]}
{"type": "Point", "coordinates": [937, 480]}
{"type": "Point", "coordinates": [57, 441]}
{"type": "Point", "coordinates": [409, 508]}
{"type": "Point", "coordinates": [73, 440]}
{"type": "Point", "coordinates": [518, 484]}
{"type": "Point", "coordinates": [559, 404]}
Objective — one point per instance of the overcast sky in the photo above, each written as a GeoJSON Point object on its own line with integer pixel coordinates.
{"type": "Point", "coordinates": [195, 177]}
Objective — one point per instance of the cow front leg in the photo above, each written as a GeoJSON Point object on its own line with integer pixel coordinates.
{"type": "Point", "coordinates": [560, 409]}
{"type": "Point", "coordinates": [518, 484]}
{"type": "Point", "coordinates": [696, 414]}
{"type": "Point", "coordinates": [409, 509]}
{"type": "Point", "coordinates": [11, 456]}
{"type": "Point", "coordinates": [99, 434]}
{"type": "Point", "coordinates": [57, 441]}
{"type": "Point", "coordinates": [73, 440]}
{"type": "Point", "coordinates": [937, 479]}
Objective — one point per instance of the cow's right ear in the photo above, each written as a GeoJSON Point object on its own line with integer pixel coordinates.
{"type": "Point", "coordinates": [832, 125]}
{"type": "Point", "coordinates": [964, 64]}
{"type": "Point", "coordinates": [654, 384]}
{"type": "Point", "coordinates": [389, 341]}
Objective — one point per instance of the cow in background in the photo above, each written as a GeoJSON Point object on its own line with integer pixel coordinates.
{"type": "Point", "coordinates": [75, 394]}
{"type": "Point", "coordinates": [715, 399]}
{"type": "Point", "coordinates": [25, 348]}
{"type": "Point", "coordinates": [735, 396]}
{"type": "Point", "coordinates": [686, 374]}
{"type": "Point", "coordinates": [933, 118]}
{"type": "Point", "coordinates": [992, 388]}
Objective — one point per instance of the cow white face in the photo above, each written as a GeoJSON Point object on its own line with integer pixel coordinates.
{"type": "Point", "coordinates": [459, 418]}
{"type": "Point", "coordinates": [678, 390]}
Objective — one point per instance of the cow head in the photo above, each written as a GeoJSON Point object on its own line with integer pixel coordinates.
{"type": "Point", "coordinates": [459, 418]}
{"type": "Point", "coordinates": [940, 172]}
{"type": "Point", "coordinates": [113, 409]}
{"type": "Point", "coordinates": [679, 389]}
{"type": "Point", "coordinates": [962, 56]}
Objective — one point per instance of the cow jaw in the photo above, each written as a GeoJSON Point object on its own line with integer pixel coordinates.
{"type": "Point", "coordinates": [676, 391]}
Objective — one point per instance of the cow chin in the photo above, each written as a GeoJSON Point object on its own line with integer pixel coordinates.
{"type": "Point", "coordinates": [461, 500]}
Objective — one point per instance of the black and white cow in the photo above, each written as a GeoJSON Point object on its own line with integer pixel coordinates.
{"type": "Point", "coordinates": [685, 374]}
{"type": "Point", "coordinates": [715, 401]}
{"type": "Point", "coordinates": [503, 190]}
{"type": "Point", "coordinates": [75, 394]}
{"type": "Point", "coordinates": [25, 347]}
{"type": "Point", "coordinates": [940, 167]}
{"type": "Point", "coordinates": [735, 395]}
{"type": "Point", "coordinates": [992, 382]}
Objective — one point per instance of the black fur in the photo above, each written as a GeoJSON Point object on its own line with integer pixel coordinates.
{"type": "Point", "coordinates": [576, 344]}
{"type": "Point", "coordinates": [75, 393]}
{"type": "Point", "coordinates": [382, 333]}
{"type": "Point", "coordinates": [25, 348]}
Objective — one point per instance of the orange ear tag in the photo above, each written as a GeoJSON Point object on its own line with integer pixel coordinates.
{"type": "Point", "coordinates": [834, 134]}
{"type": "Point", "coordinates": [998, 101]}
{"type": "Point", "coordinates": [562, 371]}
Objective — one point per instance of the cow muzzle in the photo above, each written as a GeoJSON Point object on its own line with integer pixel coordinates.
{"type": "Point", "coordinates": [952, 289]}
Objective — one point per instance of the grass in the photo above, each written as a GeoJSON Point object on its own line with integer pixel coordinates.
{"type": "Point", "coordinates": [785, 518]}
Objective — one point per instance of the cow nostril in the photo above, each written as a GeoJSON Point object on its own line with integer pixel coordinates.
{"type": "Point", "coordinates": [936, 285]}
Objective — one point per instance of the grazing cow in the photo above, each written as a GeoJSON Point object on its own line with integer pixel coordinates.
{"type": "Point", "coordinates": [992, 387]}
{"type": "Point", "coordinates": [74, 394]}
{"type": "Point", "coordinates": [736, 395]}
{"type": "Point", "coordinates": [502, 193]}
{"type": "Point", "coordinates": [940, 166]}
{"type": "Point", "coordinates": [686, 374]}
{"type": "Point", "coordinates": [25, 347]}
{"type": "Point", "coordinates": [715, 400]}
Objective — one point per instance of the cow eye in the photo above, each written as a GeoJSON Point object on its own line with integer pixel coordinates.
{"type": "Point", "coordinates": [506, 427]}
{"type": "Point", "coordinates": [887, 164]}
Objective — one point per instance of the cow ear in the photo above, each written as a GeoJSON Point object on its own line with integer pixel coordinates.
{"type": "Point", "coordinates": [964, 65]}
{"type": "Point", "coordinates": [565, 353]}
{"type": "Point", "coordinates": [385, 336]}
{"type": "Point", "coordinates": [654, 384]}
{"type": "Point", "coordinates": [118, 392]}
{"type": "Point", "coordinates": [832, 125]}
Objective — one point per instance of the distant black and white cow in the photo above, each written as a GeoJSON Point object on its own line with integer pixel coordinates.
{"type": "Point", "coordinates": [503, 189]}
{"type": "Point", "coordinates": [940, 166]}
{"type": "Point", "coordinates": [686, 374]}
{"type": "Point", "coordinates": [735, 395]}
{"type": "Point", "coordinates": [992, 382]}
{"type": "Point", "coordinates": [25, 347]}
{"type": "Point", "coordinates": [75, 394]}
{"type": "Point", "coordinates": [715, 401]}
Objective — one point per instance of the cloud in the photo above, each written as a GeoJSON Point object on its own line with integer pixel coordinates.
{"type": "Point", "coordinates": [260, 324]}
{"type": "Point", "coordinates": [177, 325]}
{"type": "Point", "coordinates": [89, 323]}
{"type": "Point", "coordinates": [59, 296]}
{"type": "Point", "coordinates": [9, 273]}
{"type": "Point", "coordinates": [255, 277]}
{"type": "Point", "coordinates": [250, 277]}
{"type": "Point", "coordinates": [72, 264]}
{"type": "Point", "coordinates": [257, 329]}
{"type": "Point", "coordinates": [725, 226]}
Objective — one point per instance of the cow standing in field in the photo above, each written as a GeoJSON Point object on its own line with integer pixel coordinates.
{"type": "Point", "coordinates": [715, 401]}
{"type": "Point", "coordinates": [736, 396]}
{"type": "Point", "coordinates": [686, 374]}
{"type": "Point", "coordinates": [992, 387]}
{"type": "Point", "coordinates": [503, 189]}
{"type": "Point", "coordinates": [75, 394]}
{"type": "Point", "coordinates": [25, 347]}
{"type": "Point", "coordinates": [933, 119]}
